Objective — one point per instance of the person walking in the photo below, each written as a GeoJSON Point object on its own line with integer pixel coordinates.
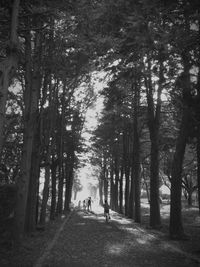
{"type": "Point", "coordinates": [106, 209]}
{"type": "Point", "coordinates": [89, 204]}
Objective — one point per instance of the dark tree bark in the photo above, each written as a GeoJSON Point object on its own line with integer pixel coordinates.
{"type": "Point", "coordinates": [105, 179]}
{"type": "Point", "coordinates": [176, 226]}
{"type": "Point", "coordinates": [100, 191]}
{"type": "Point", "coordinates": [154, 125]}
{"type": "Point", "coordinates": [45, 194]}
{"type": "Point", "coordinates": [32, 84]}
{"type": "Point", "coordinates": [116, 185]}
{"type": "Point", "coordinates": [121, 190]}
{"type": "Point", "coordinates": [126, 159]}
{"type": "Point", "coordinates": [69, 181]}
{"type": "Point", "coordinates": [8, 67]}
{"type": "Point", "coordinates": [131, 207]}
{"type": "Point", "coordinates": [59, 208]}
{"type": "Point", "coordinates": [127, 189]}
{"type": "Point", "coordinates": [198, 163]}
{"type": "Point", "coordinates": [197, 110]}
{"type": "Point", "coordinates": [31, 210]}
{"type": "Point", "coordinates": [112, 200]}
{"type": "Point", "coordinates": [136, 156]}
{"type": "Point", "coordinates": [154, 184]}
{"type": "Point", "coordinates": [53, 188]}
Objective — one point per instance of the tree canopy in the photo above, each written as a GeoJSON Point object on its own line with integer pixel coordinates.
{"type": "Point", "coordinates": [148, 132]}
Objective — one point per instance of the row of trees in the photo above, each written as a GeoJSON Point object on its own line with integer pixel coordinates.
{"type": "Point", "coordinates": [45, 90]}
{"type": "Point", "coordinates": [48, 52]}
{"type": "Point", "coordinates": [151, 105]}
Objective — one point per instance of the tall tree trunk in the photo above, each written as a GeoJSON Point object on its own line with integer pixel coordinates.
{"type": "Point", "coordinates": [54, 162]}
{"type": "Point", "coordinates": [116, 186]}
{"type": "Point", "coordinates": [48, 120]}
{"type": "Point", "coordinates": [131, 208]}
{"type": "Point", "coordinates": [127, 189]}
{"type": "Point", "coordinates": [121, 190]}
{"type": "Point", "coordinates": [136, 156]}
{"type": "Point", "coordinates": [47, 133]}
{"type": "Point", "coordinates": [33, 83]}
{"type": "Point", "coordinates": [154, 183]}
{"type": "Point", "coordinates": [112, 200]}
{"type": "Point", "coordinates": [126, 159]}
{"type": "Point", "coordinates": [198, 165]}
{"type": "Point", "coordinates": [59, 207]}
{"type": "Point", "coordinates": [198, 144]}
{"type": "Point", "coordinates": [31, 212]}
{"type": "Point", "coordinates": [176, 227]}
{"type": "Point", "coordinates": [45, 194]}
{"type": "Point", "coordinates": [69, 182]}
{"type": "Point", "coordinates": [100, 191]}
{"type": "Point", "coordinates": [8, 67]}
{"type": "Point", "coordinates": [105, 180]}
{"type": "Point", "coordinates": [154, 125]}
{"type": "Point", "coordinates": [127, 171]}
{"type": "Point", "coordinates": [198, 126]}
{"type": "Point", "coordinates": [53, 189]}
{"type": "Point", "coordinates": [37, 202]}
{"type": "Point", "coordinates": [61, 168]}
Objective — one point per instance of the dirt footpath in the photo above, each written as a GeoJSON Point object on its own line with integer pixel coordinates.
{"type": "Point", "coordinates": [86, 240]}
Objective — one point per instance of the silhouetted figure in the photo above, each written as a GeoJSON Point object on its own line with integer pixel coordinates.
{"type": "Point", "coordinates": [106, 208]}
{"type": "Point", "coordinates": [89, 203]}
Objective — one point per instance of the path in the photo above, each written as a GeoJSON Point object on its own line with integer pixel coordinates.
{"type": "Point", "coordinates": [85, 240]}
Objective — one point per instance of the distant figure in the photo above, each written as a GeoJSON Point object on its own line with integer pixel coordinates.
{"type": "Point", "coordinates": [89, 204]}
{"type": "Point", "coordinates": [84, 205]}
{"type": "Point", "coordinates": [106, 208]}
{"type": "Point", "coordinates": [79, 204]}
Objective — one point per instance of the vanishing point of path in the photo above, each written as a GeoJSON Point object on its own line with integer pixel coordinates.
{"type": "Point", "coordinates": [86, 240]}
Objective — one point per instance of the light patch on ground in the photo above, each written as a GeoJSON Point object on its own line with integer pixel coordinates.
{"type": "Point", "coordinates": [80, 224]}
{"type": "Point", "coordinates": [141, 241]}
{"type": "Point", "coordinates": [115, 249]}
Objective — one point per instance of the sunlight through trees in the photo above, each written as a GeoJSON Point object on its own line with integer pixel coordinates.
{"type": "Point", "coordinates": [100, 99]}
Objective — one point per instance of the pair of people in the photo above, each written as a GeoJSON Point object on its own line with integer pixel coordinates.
{"type": "Point", "coordinates": [89, 202]}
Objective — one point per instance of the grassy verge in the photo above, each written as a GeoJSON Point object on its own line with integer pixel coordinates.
{"type": "Point", "coordinates": [32, 247]}
{"type": "Point", "coordinates": [191, 224]}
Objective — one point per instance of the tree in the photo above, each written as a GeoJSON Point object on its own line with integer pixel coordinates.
{"type": "Point", "coordinates": [183, 83]}
{"type": "Point", "coordinates": [30, 126]}
{"type": "Point", "coordinates": [8, 65]}
{"type": "Point", "coordinates": [39, 78]}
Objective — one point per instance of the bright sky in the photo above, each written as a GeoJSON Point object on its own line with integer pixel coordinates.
{"type": "Point", "coordinates": [85, 174]}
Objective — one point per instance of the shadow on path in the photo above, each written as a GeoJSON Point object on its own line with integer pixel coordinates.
{"type": "Point", "coordinates": [87, 240]}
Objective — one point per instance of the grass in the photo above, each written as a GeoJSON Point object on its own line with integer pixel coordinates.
{"type": "Point", "coordinates": [191, 225]}
{"type": "Point", "coordinates": [31, 248]}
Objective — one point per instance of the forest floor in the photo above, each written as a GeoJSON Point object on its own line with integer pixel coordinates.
{"type": "Point", "coordinates": [83, 239]}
